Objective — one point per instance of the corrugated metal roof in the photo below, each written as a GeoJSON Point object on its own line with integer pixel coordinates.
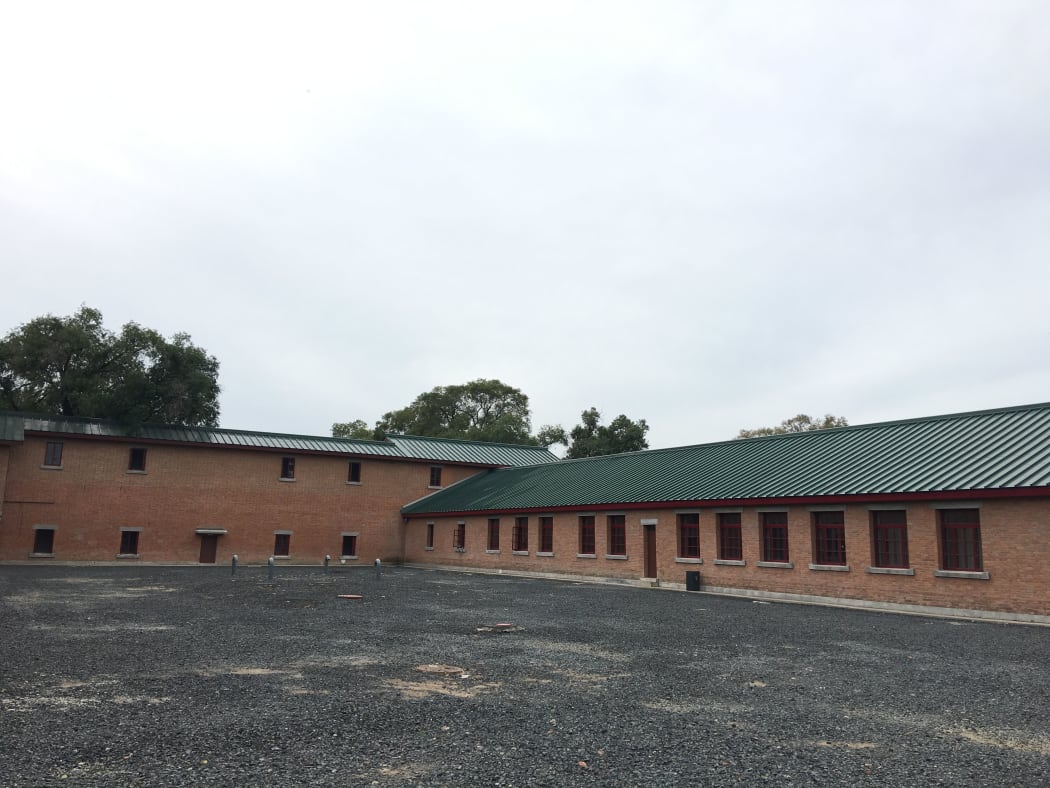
{"type": "Point", "coordinates": [396, 446]}
{"type": "Point", "coordinates": [449, 450]}
{"type": "Point", "coordinates": [985, 450]}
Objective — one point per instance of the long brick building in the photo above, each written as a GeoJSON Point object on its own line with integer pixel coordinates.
{"type": "Point", "coordinates": [933, 514]}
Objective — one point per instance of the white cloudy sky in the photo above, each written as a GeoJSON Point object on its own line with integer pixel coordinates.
{"type": "Point", "coordinates": [710, 215]}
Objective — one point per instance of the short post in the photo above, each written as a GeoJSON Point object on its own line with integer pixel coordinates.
{"type": "Point", "coordinates": [379, 569]}
{"type": "Point", "coordinates": [269, 565]}
{"type": "Point", "coordinates": [327, 558]}
{"type": "Point", "coordinates": [233, 565]}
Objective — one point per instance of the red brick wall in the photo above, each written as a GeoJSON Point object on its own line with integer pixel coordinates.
{"type": "Point", "coordinates": [185, 488]}
{"type": "Point", "coordinates": [1015, 535]}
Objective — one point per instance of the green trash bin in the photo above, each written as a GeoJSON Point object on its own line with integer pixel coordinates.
{"type": "Point", "coordinates": [692, 581]}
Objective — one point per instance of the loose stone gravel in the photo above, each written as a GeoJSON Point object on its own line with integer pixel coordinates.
{"type": "Point", "coordinates": [158, 676]}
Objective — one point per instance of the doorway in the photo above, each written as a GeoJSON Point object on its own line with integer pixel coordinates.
{"type": "Point", "coordinates": [649, 545]}
{"type": "Point", "coordinates": [209, 543]}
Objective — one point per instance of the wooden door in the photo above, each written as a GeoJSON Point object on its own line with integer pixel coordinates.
{"type": "Point", "coordinates": [209, 542]}
{"type": "Point", "coordinates": [650, 550]}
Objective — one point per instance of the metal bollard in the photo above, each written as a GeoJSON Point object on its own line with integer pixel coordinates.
{"type": "Point", "coordinates": [379, 569]}
{"type": "Point", "coordinates": [327, 558]}
{"type": "Point", "coordinates": [269, 565]}
{"type": "Point", "coordinates": [233, 565]}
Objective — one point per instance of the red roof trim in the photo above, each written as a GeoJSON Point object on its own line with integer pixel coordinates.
{"type": "Point", "coordinates": [800, 500]}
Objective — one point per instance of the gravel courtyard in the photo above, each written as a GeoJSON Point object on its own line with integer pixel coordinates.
{"type": "Point", "coordinates": [190, 676]}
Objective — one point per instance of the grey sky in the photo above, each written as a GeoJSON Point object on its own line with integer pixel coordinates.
{"type": "Point", "coordinates": [711, 215]}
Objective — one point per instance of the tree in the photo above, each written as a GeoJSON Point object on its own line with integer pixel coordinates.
{"type": "Point", "coordinates": [73, 366]}
{"type": "Point", "coordinates": [481, 410]}
{"type": "Point", "coordinates": [353, 429]}
{"type": "Point", "coordinates": [592, 439]}
{"type": "Point", "coordinates": [799, 423]}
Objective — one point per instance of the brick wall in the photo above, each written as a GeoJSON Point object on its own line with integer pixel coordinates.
{"type": "Point", "coordinates": [1015, 536]}
{"type": "Point", "coordinates": [185, 488]}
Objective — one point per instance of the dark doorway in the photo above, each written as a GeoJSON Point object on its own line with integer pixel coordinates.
{"type": "Point", "coordinates": [650, 550]}
{"type": "Point", "coordinates": [209, 542]}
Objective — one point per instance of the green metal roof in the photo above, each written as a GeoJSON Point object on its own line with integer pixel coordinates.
{"type": "Point", "coordinates": [13, 425]}
{"type": "Point", "coordinates": [986, 450]}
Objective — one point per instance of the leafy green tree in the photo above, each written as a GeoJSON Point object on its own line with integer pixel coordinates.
{"type": "Point", "coordinates": [74, 366]}
{"type": "Point", "coordinates": [481, 410]}
{"type": "Point", "coordinates": [799, 423]}
{"type": "Point", "coordinates": [593, 439]}
{"type": "Point", "coordinates": [353, 429]}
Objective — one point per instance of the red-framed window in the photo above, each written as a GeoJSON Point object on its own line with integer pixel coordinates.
{"type": "Point", "coordinates": [349, 545]}
{"type": "Point", "coordinates": [53, 454]}
{"type": "Point", "coordinates": [829, 538]}
{"type": "Point", "coordinates": [459, 537]}
{"type": "Point", "coordinates": [493, 533]}
{"type": "Point", "coordinates": [520, 536]}
{"type": "Point", "coordinates": [137, 459]}
{"type": "Point", "coordinates": [430, 535]}
{"type": "Point", "coordinates": [730, 545]}
{"type": "Point", "coordinates": [617, 534]}
{"type": "Point", "coordinates": [282, 544]}
{"type": "Point", "coordinates": [129, 542]}
{"type": "Point", "coordinates": [961, 540]}
{"type": "Point", "coordinates": [353, 474]}
{"type": "Point", "coordinates": [689, 535]}
{"type": "Point", "coordinates": [889, 538]}
{"type": "Point", "coordinates": [546, 534]}
{"type": "Point", "coordinates": [44, 541]}
{"type": "Point", "coordinates": [774, 536]}
{"type": "Point", "coordinates": [587, 534]}
{"type": "Point", "coordinates": [287, 469]}
{"type": "Point", "coordinates": [435, 475]}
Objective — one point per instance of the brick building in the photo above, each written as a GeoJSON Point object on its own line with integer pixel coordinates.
{"type": "Point", "coordinates": [950, 512]}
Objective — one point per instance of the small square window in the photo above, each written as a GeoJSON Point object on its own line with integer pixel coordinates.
{"type": "Point", "coordinates": [53, 454]}
{"type": "Point", "coordinates": [349, 545]}
{"type": "Point", "coordinates": [354, 473]}
{"type": "Point", "coordinates": [137, 460]}
{"type": "Point", "coordinates": [435, 475]}
{"type": "Point", "coordinates": [129, 542]}
{"type": "Point", "coordinates": [282, 544]}
{"type": "Point", "coordinates": [287, 467]}
{"type": "Point", "coordinates": [44, 541]}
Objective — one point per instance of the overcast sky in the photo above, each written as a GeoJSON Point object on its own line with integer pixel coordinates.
{"type": "Point", "coordinates": [710, 215]}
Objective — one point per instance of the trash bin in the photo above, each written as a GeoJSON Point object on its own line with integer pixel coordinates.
{"type": "Point", "coordinates": [692, 581]}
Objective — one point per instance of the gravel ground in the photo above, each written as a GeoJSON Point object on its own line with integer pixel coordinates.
{"type": "Point", "coordinates": [188, 676]}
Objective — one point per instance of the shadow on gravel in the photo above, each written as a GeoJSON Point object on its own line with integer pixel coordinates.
{"type": "Point", "coordinates": [190, 676]}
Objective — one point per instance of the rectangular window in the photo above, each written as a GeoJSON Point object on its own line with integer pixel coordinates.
{"type": "Point", "coordinates": [53, 454]}
{"type": "Point", "coordinates": [617, 534]}
{"type": "Point", "coordinates": [493, 533]}
{"type": "Point", "coordinates": [435, 475]}
{"type": "Point", "coordinates": [689, 535]}
{"type": "Point", "coordinates": [889, 536]}
{"type": "Point", "coordinates": [775, 537]}
{"type": "Point", "coordinates": [353, 475]}
{"type": "Point", "coordinates": [349, 545]}
{"type": "Point", "coordinates": [587, 535]}
{"type": "Point", "coordinates": [829, 538]}
{"type": "Point", "coordinates": [137, 460]}
{"type": "Point", "coordinates": [430, 536]}
{"type": "Point", "coordinates": [520, 537]}
{"type": "Point", "coordinates": [730, 545]}
{"type": "Point", "coordinates": [961, 540]}
{"type": "Point", "coordinates": [546, 534]}
{"type": "Point", "coordinates": [129, 542]}
{"type": "Point", "coordinates": [282, 544]}
{"type": "Point", "coordinates": [459, 537]}
{"type": "Point", "coordinates": [287, 467]}
{"type": "Point", "coordinates": [44, 541]}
